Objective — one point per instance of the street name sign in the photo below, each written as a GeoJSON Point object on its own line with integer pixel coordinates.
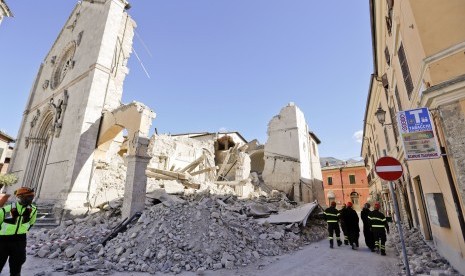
{"type": "Point", "coordinates": [417, 134]}
{"type": "Point", "coordinates": [388, 168]}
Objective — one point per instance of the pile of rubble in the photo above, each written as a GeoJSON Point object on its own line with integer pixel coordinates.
{"type": "Point", "coordinates": [423, 258]}
{"type": "Point", "coordinates": [193, 232]}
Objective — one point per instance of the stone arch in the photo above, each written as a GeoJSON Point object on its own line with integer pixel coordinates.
{"type": "Point", "coordinates": [39, 146]}
{"type": "Point", "coordinates": [136, 118]}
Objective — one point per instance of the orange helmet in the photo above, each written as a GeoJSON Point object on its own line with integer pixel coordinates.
{"type": "Point", "coordinates": [377, 206]}
{"type": "Point", "coordinates": [333, 203]}
{"type": "Point", "coordinates": [349, 204]}
{"type": "Point", "coordinates": [24, 192]}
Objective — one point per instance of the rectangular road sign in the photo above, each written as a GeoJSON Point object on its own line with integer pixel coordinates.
{"type": "Point", "coordinates": [418, 134]}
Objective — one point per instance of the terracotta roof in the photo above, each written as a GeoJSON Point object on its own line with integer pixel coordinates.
{"type": "Point", "coordinates": [6, 136]}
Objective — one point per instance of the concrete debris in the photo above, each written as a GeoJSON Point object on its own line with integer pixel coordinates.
{"type": "Point", "coordinates": [297, 215]}
{"type": "Point", "coordinates": [194, 232]}
{"type": "Point", "coordinates": [423, 258]}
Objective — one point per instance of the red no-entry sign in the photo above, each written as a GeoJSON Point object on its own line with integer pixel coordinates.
{"type": "Point", "coordinates": [388, 168]}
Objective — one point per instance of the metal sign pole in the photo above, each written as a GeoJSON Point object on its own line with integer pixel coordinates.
{"type": "Point", "coordinates": [399, 228]}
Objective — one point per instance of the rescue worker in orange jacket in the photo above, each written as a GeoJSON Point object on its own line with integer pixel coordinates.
{"type": "Point", "coordinates": [15, 221]}
{"type": "Point", "coordinates": [378, 225]}
{"type": "Point", "coordinates": [332, 218]}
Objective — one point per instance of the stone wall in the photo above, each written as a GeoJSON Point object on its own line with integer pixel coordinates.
{"type": "Point", "coordinates": [287, 152]}
{"type": "Point", "coordinates": [453, 120]}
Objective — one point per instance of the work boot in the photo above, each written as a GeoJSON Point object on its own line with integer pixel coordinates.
{"type": "Point", "coordinates": [339, 242]}
{"type": "Point", "coordinates": [383, 253]}
{"type": "Point", "coordinates": [353, 246]}
{"type": "Point", "coordinates": [331, 242]}
{"type": "Point", "coordinates": [346, 242]}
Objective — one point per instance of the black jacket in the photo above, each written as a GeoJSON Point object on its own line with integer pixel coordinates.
{"type": "Point", "coordinates": [364, 215]}
{"type": "Point", "coordinates": [351, 220]}
{"type": "Point", "coordinates": [331, 215]}
{"type": "Point", "coordinates": [378, 220]}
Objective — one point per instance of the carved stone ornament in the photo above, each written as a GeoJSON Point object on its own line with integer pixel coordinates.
{"type": "Point", "coordinates": [45, 84]}
{"type": "Point", "coordinates": [79, 38]}
{"type": "Point", "coordinates": [64, 64]}
{"type": "Point", "coordinates": [59, 109]}
{"type": "Point", "coordinates": [33, 123]}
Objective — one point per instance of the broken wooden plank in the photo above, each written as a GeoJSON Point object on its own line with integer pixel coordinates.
{"type": "Point", "coordinates": [232, 183]}
{"type": "Point", "coordinates": [158, 176]}
{"type": "Point", "coordinates": [204, 170]}
{"type": "Point", "coordinates": [190, 184]}
{"type": "Point", "coordinates": [176, 175]}
{"type": "Point", "coordinates": [226, 161]}
{"type": "Point", "coordinates": [193, 164]}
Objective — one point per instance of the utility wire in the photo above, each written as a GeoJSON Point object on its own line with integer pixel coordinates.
{"type": "Point", "coordinates": [143, 44]}
{"type": "Point", "coordinates": [141, 64]}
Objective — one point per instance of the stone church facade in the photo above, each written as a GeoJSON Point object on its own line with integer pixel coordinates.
{"type": "Point", "coordinates": [74, 109]}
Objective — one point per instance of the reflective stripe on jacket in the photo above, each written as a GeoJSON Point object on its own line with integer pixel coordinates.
{"type": "Point", "coordinates": [377, 220]}
{"type": "Point", "coordinates": [17, 222]}
{"type": "Point", "coordinates": [331, 214]}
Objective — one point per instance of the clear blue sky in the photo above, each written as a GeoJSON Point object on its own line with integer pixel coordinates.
{"type": "Point", "coordinates": [219, 64]}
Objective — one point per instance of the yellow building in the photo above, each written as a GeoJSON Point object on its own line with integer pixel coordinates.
{"type": "Point", "coordinates": [419, 61]}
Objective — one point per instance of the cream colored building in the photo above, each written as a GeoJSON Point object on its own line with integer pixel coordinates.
{"type": "Point", "coordinates": [4, 11]}
{"type": "Point", "coordinates": [5, 151]}
{"type": "Point", "coordinates": [419, 61]}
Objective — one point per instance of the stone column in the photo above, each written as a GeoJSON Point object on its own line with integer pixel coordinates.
{"type": "Point", "coordinates": [136, 180]}
{"type": "Point", "coordinates": [136, 185]}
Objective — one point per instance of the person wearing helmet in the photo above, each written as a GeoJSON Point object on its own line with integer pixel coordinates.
{"type": "Point", "coordinates": [332, 218]}
{"type": "Point", "coordinates": [15, 221]}
{"type": "Point", "coordinates": [351, 222]}
{"type": "Point", "coordinates": [366, 226]}
{"type": "Point", "coordinates": [343, 225]}
{"type": "Point", "coordinates": [378, 224]}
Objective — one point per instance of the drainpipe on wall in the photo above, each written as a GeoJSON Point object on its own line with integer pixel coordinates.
{"type": "Point", "coordinates": [342, 185]}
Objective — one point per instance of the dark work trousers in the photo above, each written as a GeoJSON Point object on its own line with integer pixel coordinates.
{"type": "Point", "coordinates": [16, 252]}
{"type": "Point", "coordinates": [333, 227]}
{"type": "Point", "coordinates": [353, 237]}
{"type": "Point", "coordinates": [368, 237]}
{"type": "Point", "coordinates": [379, 236]}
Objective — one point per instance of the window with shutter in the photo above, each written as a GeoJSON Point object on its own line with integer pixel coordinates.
{"type": "Point", "coordinates": [386, 137]}
{"type": "Point", "coordinates": [389, 24]}
{"type": "Point", "coordinates": [405, 70]}
{"type": "Point", "coordinates": [387, 56]}
{"type": "Point", "coordinates": [392, 112]}
{"type": "Point", "coordinates": [352, 179]}
{"type": "Point", "coordinates": [399, 103]}
{"type": "Point", "coordinates": [390, 4]}
{"type": "Point", "coordinates": [384, 80]}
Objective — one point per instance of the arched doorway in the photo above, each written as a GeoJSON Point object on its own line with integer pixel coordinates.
{"type": "Point", "coordinates": [354, 197]}
{"type": "Point", "coordinates": [39, 145]}
{"type": "Point", "coordinates": [331, 197]}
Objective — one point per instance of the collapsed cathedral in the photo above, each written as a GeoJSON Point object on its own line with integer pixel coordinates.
{"type": "Point", "coordinates": [74, 128]}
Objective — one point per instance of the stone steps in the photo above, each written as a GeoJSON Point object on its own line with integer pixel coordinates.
{"type": "Point", "coordinates": [45, 217]}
